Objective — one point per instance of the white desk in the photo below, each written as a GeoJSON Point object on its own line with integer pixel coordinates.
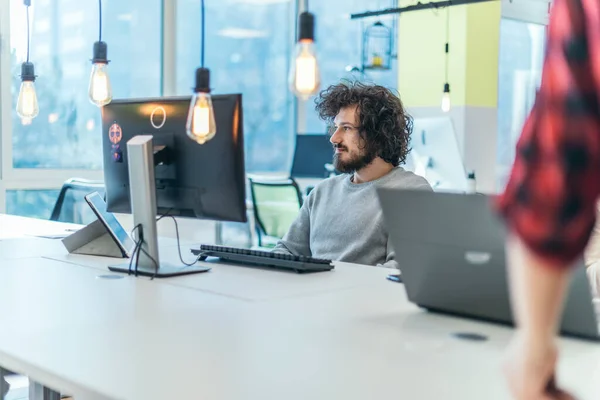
{"type": "Point", "coordinates": [27, 237]}
{"type": "Point", "coordinates": [249, 284]}
{"type": "Point", "coordinates": [12, 227]}
{"type": "Point", "coordinates": [239, 333]}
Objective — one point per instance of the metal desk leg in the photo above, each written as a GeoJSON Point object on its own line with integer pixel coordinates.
{"type": "Point", "coordinates": [218, 232]}
{"type": "Point", "coordinates": [4, 386]}
{"type": "Point", "coordinates": [39, 392]}
{"type": "Point", "coordinates": [252, 227]}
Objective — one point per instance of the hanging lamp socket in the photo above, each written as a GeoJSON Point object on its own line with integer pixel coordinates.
{"type": "Point", "coordinates": [27, 72]}
{"type": "Point", "coordinates": [306, 27]}
{"type": "Point", "coordinates": [100, 53]}
{"type": "Point", "coordinates": [202, 80]}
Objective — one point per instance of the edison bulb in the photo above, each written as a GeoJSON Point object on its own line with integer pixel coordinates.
{"type": "Point", "coordinates": [201, 126]}
{"type": "Point", "coordinates": [100, 91]}
{"type": "Point", "coordinates": [304, 76]}
{"type": "Point", "coordinates": [27, 103]}
{"type": "Point", "coordinates": [446, 102]}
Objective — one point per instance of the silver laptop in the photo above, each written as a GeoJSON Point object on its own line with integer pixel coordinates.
{"type": "Point", "coordinates": [450, 249]}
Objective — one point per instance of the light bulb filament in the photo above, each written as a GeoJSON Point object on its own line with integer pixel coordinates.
{"type": "Point", "coordinates": [201, 126]}
{"type": "Point", "coordinates": [100, 91]}
{"type": "Point", "coordinates": [306, 66]}
{"type": "Point", "coordinates": [27, 103]}
{"type": "Point", "coordinates": [201, 120]}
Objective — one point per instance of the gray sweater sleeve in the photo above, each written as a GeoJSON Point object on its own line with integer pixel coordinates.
{"type": "Point", "coordinates": [297, 239]}
{"type": "Point", "coordinates": [390, 259]}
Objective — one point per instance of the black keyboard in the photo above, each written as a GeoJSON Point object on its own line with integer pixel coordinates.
{"type": "Point", "coordinates": [264, 258]}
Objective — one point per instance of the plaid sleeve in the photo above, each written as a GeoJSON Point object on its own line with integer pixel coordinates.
{"type": "Point", "coordinates": [550, 198]}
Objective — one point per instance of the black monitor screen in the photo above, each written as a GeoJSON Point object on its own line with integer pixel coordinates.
{"type": "Point", "coordinates": [311, 155]}
{"type": "Point", "coordinates": [202, 181]}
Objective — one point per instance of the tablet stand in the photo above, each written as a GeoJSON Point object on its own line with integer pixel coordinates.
{"type": "Point", "coordinates": [94, 240]}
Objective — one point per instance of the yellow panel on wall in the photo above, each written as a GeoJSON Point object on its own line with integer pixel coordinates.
{"type": "Point", "coordinates": [421, 57]}
{"type": "Point", "coordinates": [482, 54]}
{"type": "Point", "coordinates": [473, 57]}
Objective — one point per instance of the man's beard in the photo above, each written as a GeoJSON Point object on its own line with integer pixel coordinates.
{"type": "Point", "coordinates": [356, 162]}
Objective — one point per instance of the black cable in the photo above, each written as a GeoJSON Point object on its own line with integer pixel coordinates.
{"type": "Point", "coordinates": [447, 40]}
{"type": "Point", "coordinates": [140, 248]}
{"type": "Point", "coordinates": [27, 7]}
{"type": "Point", "coordinates": [167, 214]}
{"type": "Point", "coordinates": [140, 241]}
{"type": "Point", "coordinates": [153, 261]}
{"type": "Point", "coordinates": [179, 245]}
{"type": "Point", "coordinates": [203, 27]}
{"type": "Point", "coordinates": [178, 241]}
{"type": "Point", "coordinates": [136, 249]}
{"type": "Point", "coordinates": [137, 256]}
{"type": "Point", "coordinates": [100, 20]}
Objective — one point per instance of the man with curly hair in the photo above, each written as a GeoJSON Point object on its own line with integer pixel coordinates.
{"type": "Point", "coordinates": [341, 218]}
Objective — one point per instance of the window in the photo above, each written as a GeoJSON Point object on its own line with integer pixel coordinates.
{"type": "Point", "coordinates": [519, 76]}
{"type": "Point", "coordinates": [31, 203]}
{"type": "Point", "coordinates": [248, 50]}
{"type": "Point", "coordinates": [64, 140]}
{"type": "Point", "coordinates": [339, 45]}
{"type": "Point", "coordinates": [67, 131]}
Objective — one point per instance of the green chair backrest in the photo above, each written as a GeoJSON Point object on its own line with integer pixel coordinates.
{"type": "Point", "coordinates": [276, 206]}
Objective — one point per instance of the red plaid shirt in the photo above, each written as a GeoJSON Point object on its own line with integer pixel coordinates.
{"type": "Point", "coordinates": [550, 200]}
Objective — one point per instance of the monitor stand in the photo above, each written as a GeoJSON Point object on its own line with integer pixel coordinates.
{"type": "Point", "coordinates": [142, 189]}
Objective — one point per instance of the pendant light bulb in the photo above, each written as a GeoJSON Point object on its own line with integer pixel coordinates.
{"type": "Point", "coordinates": [27, 103]}
{"type": "Point", "coordinates": [446, 98]}
{"type": "Point", "coordinates": [304, 75]}
{"type": "Point", "coordinates": [100, 91]}
{"type": "Point", "coordinates": [201, 126]}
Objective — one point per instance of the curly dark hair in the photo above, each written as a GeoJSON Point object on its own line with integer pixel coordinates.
{"type": "Point", "coordinates": [385, 126]}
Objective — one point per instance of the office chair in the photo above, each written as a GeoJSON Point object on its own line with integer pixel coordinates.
{"type": "Point", "coordinates": [4, 385]}
{"type": "Point", "coordinates": [276, 205]}
{"type": "Point", "coordinates": [71, 206]}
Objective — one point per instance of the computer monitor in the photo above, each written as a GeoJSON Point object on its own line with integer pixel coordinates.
{"type": "Point", "coordinates": [202, 181]}
{"type": "Point", "coordinates": [151, 167]}
{"type": "Point", "coordinates": [436, 155]}
{"type": "Point", "coordinates": [311, 155]}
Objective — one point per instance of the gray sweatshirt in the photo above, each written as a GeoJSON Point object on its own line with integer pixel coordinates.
{"type": "Point", "coordinates": [342, 221]}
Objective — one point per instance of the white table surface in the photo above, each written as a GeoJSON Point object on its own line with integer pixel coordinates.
{"type": "Point", "coordinates": [12, 227]}
{"type": "Point", "coordinates": [240, 333]}
{"type": "Point", "coordinates": [247, 283]}
{"type": "Point", "coordinates": [27, 237]}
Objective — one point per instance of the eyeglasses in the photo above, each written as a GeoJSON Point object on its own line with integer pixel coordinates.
{"type": "Point", "coordinates": [331, 129]}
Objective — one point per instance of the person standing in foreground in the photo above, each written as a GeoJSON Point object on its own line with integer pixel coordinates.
{"type": "Point", "coordinates": [549, 202]}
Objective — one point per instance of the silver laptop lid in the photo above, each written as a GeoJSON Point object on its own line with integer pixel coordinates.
{"type": "Point", "coordinates": [450, 249]}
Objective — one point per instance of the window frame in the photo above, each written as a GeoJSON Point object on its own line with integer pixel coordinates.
{"type": "Point", "coordinates": [536, 12]}
{"type": "Point", "coordinates": [38, 179]}
{"type": "Point", "coordinates": [41, 178]}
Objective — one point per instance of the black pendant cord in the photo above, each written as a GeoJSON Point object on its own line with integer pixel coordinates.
{"type": "Point", "coordinates": [447, 40]}
{"type": "Point", "coordinates": [203, 27]}
{"type": "Point", "coordinates": [28, 38]}
{"type": "Point", "coordinates": [100, 20]}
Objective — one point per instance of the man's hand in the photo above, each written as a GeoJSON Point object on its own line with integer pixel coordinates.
{"type": "Point", "coordinates": [530, 368]}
